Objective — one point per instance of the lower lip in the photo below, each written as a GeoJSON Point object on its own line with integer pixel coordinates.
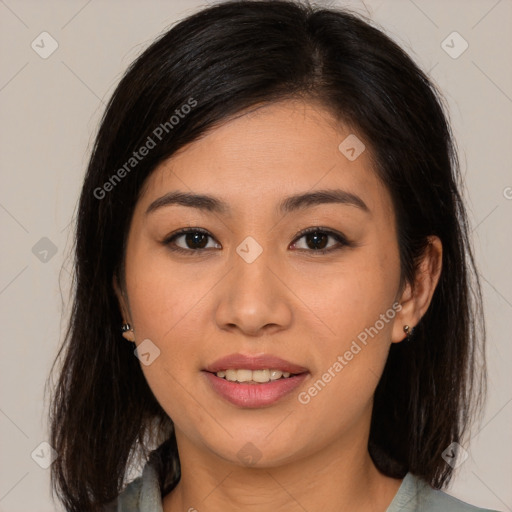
{"type": "Point", "coordinates": [254, 395]}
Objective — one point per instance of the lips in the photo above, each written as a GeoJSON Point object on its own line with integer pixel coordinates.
{"type": "Point", "coordinates": [252, 396]}
{"type": "Point", "coordinates": [259, 362]}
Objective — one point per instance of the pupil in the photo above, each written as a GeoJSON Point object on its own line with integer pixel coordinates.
{"type": "Point", "coordinates": [317, 239]}
{"type": "Point", "coordinates": [195, 240]}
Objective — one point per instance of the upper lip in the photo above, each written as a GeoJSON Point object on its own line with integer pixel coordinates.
{"type": "Point", "coordinates": [255, 362]}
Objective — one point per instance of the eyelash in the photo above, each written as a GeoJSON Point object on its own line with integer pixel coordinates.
{"type": "Point", "coordinates": [318, 229]}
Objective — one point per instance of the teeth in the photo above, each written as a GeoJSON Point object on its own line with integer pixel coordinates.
{"type": "Point", "coordinates": [260, 376]}
{"type": "Point", "coordinates": [239, 375]}
{"type": "Point", "coordinates": [231, 375]}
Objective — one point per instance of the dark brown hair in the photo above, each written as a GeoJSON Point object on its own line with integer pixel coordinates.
{"type": "Point", "coordinates": [228, 58]}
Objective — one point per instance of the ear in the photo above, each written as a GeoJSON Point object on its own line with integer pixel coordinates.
{"type": "Point", "coordinates": [124, 307]}
{"type": "Point", "coordinates": [416, 297]}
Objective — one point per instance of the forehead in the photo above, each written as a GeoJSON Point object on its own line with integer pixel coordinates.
{"type": "Point", "coordinates": [266, 153]}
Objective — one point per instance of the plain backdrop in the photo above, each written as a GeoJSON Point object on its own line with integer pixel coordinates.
{"type": "Point", "coordinates": [50, 107]}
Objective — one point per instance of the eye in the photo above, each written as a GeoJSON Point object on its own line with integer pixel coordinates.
{"type": "Point", "coordinates": [195, 240]}
{"type": "Point", "coordinates": [190, 239]}
{"type": "Point", "coordinates": [317, 240]}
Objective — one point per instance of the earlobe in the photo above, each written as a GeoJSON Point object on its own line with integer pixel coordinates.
{"type": "Point", "coordinates": [416, 297]}
{"type": "Point", "coordinates": [404, 316]}
{"type": "Point", "coordinates": [126, 329]}
{"type": "Point", "coordinates": [128, 333]}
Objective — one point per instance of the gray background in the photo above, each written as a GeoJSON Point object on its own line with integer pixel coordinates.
{"type": "Point", "coordinates": [50, 110]}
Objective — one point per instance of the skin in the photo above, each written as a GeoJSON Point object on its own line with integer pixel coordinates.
{"type": "Point", "coordinates": [302, 306]}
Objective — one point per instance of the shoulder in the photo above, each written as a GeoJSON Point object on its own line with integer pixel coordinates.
{"type": "Point", "coordinates": [439, 500]}
{"type": "Point", "coordinates": [140, 495]}
{"type": "Point", "coordinates": [416, 495]}
{"type": "Point", "coordinates": [129, 500]}
{"type": "Point", "coordinates": [144, 493]}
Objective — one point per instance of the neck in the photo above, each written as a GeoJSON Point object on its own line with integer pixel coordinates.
{"type": "Point", "coordinates": [340, 477]}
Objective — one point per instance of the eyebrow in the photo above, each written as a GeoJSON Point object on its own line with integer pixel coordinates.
{"type": "Point", "coordinates": [287, 205]}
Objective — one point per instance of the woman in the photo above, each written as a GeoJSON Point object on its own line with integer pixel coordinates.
{"type": "Point", "coordinates": [271, 218]}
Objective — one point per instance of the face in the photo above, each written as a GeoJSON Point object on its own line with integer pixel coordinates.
{"type": "Point", "coordinates": [246, 280]}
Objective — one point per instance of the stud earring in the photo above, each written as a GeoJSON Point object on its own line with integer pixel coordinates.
{"type": "Point", "coordinates": [128, 333]}
{"type": "Point", "coordinates": [408, 331]}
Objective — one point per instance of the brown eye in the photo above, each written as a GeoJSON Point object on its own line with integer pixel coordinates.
{"type": "Point", "coordinates": [316, 240]}
{"type": "Point", "coordinates": [189, 240]}
{"type": "Point", "coordinates": [195, 240]}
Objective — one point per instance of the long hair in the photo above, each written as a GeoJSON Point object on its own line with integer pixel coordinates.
{"type": "Point", "coordinates": [221, 61]}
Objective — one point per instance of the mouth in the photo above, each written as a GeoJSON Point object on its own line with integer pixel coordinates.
{"type": "Point", "coordinates": [254, 381]}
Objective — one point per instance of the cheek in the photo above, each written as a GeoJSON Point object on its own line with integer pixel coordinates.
{"type": "Point", "coordinates": [357, 307]}
{"type": "Point", "coordinates": [164, 296]}
{"type": "Point", "coordinates": [350, 359]}
{"type": "Point", "coordinates": [165, 305]}
{"type": "Point", "coordinates": [352, 296]}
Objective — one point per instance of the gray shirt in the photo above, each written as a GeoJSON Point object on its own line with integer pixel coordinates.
{"type": "Point", "coordinates": [414, 495]}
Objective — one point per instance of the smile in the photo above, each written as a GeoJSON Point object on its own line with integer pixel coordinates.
{"type": "Point", "coordinates": [252, 393]}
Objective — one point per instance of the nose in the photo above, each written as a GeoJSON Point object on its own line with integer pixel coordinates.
{"type": "Point", "coordinates": [253, 297]}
